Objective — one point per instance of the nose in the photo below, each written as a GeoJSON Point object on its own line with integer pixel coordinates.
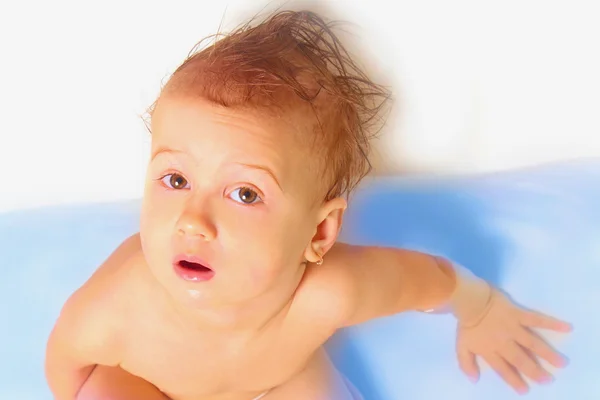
{"type": "Point", "coordinates": [195, 222]}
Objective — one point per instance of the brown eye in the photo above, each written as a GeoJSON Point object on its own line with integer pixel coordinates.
{"type": "Point", "coordinates": [245, 195]}
{"type": "Point", "coordinates": [175, 181]}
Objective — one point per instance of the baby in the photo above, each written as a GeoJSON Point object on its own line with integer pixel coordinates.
{"type": "Point", "coordinates": [235, 280]}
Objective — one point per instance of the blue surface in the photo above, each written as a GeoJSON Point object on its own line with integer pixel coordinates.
{"type": "Point", "coordinates": [535, 233]}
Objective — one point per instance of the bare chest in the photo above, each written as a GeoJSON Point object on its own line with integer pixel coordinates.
{"type": "Point", "coordinates": [187, 365]}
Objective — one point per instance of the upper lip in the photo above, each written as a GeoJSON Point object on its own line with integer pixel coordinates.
{"type": "Point", "coordinates": [192, 259]}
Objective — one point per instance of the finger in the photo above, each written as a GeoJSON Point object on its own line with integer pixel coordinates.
{"type": "Point", "coordinates": [468, 364]}
{"type": "Point", "coordinates": [534, 319]}
{"type": "Point", "coordinates": [508, 373]}
{"type": "Point", "coordinates": [538, 346]}
{"type": "Point", "coordinates": [525, 363]}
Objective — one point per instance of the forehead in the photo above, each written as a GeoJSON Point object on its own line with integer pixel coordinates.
{"type": "Point", "coordinates": [178, 119]}
{"type": "Point", "coordinates": [206, 130]}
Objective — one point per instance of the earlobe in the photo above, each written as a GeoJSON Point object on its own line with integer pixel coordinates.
{"type": "Point", "coordinates": [329, 224]}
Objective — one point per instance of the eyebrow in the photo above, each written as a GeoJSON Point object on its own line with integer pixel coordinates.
{"type": "Point", "coordinates": [163, 150]}
{"type": "Point", "coordinates": [264, 169]}
{"type": "Point", "coordinates": [251, 166]}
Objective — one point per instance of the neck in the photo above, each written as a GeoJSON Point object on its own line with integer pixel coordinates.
{"type": "Point", "coordinates": [250, 316]}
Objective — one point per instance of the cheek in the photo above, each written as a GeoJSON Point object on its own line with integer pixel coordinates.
{"type": "Point", "coordinates": [259, 276]}
{"type": "Point", "coordinates": [157, 216]}
{"type": "Point", "coordinates": [269, 246]}
{"type": "Point", "coordinates": [148, 234]}
{"type": "Point", "coordinates": [150, 213]}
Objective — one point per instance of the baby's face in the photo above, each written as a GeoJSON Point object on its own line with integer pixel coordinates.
{"type": "Point", "coordinates": [229, 193]}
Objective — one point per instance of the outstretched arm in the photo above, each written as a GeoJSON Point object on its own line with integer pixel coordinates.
{"type": "Point", "coordinates": [380, 281]}
{"type": "Point", "coordinates": [370, 282]}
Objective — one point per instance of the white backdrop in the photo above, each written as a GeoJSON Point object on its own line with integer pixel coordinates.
{"type": "Point", "coordinates": [481, 86]}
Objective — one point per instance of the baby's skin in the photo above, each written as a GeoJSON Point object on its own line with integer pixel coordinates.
{"type": "Point", "coordinates": [236, 280]}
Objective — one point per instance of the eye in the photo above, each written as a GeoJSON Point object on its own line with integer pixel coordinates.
{"type": "Point", "coordinates": [245, 195]}
{"type": "Point", "coordinates": [175, 181]}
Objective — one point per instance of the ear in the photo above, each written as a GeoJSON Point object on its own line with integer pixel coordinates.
{"type": "Point", "coordinates": [329, 224]}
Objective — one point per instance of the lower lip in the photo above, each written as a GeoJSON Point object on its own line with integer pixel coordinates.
{"type": "Point", "coordinates": [193, 275]}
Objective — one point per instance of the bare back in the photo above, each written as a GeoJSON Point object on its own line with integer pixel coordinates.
{"type": "Point", "coordinates": [191, 364]}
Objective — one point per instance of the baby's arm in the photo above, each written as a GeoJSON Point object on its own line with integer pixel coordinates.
{"type": "Point", "coordinates": [373, 282]}
{"type": "Point", "coordinates": [357, 283]}
{"type": "Point", "coordinates": [76, 340]}
{"type": "Point", "coordinates": [82, 354]}
{"type": "Point", "coordinates": [73, 349]}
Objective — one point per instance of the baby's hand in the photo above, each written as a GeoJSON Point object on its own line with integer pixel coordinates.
{"type": "Point", "coordinates": [504, 339]}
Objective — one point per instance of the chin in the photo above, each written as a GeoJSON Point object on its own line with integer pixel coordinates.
{"type": "Point", "coordinates": [188, 296]}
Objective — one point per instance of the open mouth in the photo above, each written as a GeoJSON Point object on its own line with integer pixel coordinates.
{"type": "Point", "coordinates": [193, 266]}
{"type": "Point", "coordinates": [193, 270]}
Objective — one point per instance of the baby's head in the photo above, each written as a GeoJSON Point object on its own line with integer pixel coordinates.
{"type": "Point", "coordinates": [257, 141]}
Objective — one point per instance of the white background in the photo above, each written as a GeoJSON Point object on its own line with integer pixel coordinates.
{"type": "Point", "coordinates": [481, 85]}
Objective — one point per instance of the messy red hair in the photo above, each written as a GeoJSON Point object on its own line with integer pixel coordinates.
{"type": "Point", "coordinates": [290, 63]}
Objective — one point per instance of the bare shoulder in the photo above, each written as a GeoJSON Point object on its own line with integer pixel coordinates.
{"type": "Point", "coordinates": [323, 299]}
{"type": "Point", "coordinates": [88, 325]}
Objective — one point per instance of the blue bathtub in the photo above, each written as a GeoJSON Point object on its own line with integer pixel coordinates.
{"type": "Point", "coordinates": [535, 233]}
